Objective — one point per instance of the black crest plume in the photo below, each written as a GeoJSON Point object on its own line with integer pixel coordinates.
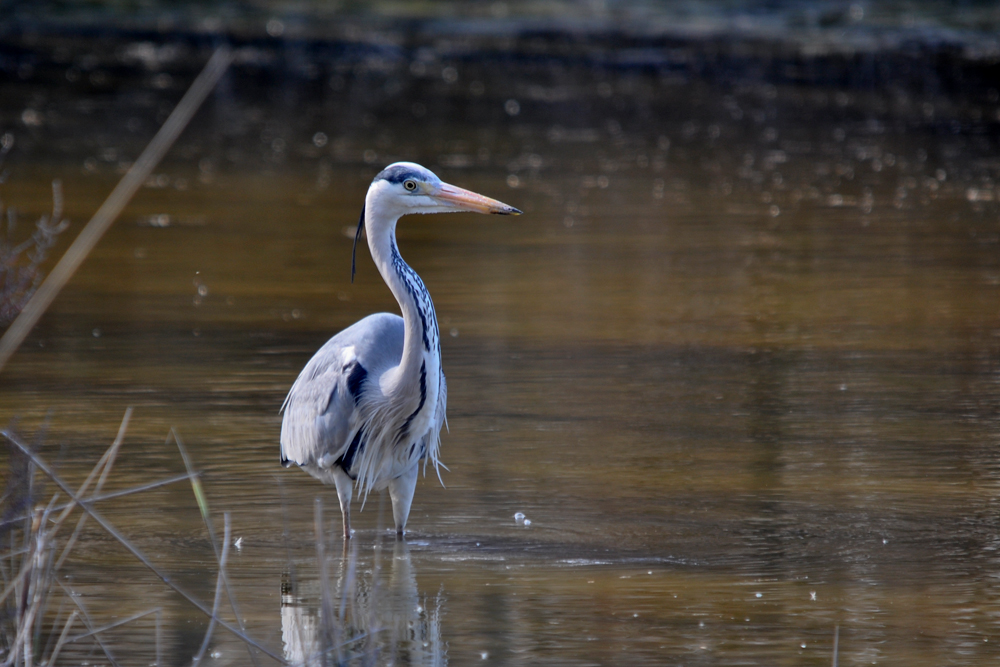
{"type": "Point", "coordinates": [357, 235]}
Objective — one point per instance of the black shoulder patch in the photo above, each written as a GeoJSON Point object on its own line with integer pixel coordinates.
{"type": "Point", "coordinates": [404, 431]}
{"type": "Point", "coordinates": [355, 448]}
{"type": "Point", "coordinates": [397, 174]}
{"type": "Point", "coordinates": [355, 380]}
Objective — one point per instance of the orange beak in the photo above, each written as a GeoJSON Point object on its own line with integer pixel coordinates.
{"type": "Point", "coordinates": [467, 200]}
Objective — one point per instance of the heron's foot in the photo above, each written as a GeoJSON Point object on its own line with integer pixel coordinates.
{"type": "Point", "coordinates": [348, 531]}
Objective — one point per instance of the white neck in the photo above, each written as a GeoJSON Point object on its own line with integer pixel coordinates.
{"type": "Point", "coordinates": [421, 341]}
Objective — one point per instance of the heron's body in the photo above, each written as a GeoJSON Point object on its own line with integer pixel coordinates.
{"type": "Point", "coordinates": [370, 404]}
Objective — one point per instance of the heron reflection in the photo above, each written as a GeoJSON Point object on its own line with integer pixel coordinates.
{"type": "Point", "coordinates": [362, 611]}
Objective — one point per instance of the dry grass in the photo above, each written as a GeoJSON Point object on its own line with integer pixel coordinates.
{"type": "Point", "coordinates": [38, 535]}
{"type": "Point", "coordinates": [20, 263]}
{"type": "Point", "coordinates": [358, 620]}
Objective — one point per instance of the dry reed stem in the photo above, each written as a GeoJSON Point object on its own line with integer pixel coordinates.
{"type": "Point", "coordinates": [109, 626]}
{"type": "Point", "coordinates": [199, 494]}
{"type": "Point", "coordinates": [93, 500]}
{"type": "Point", "coordinates": [218, 591]}
{"type": "Point", "coordinates": [117, 535]}
{"type": "Point", "coordinates": [62, 639]}
{"type": "Point", "coordinates": [89, 625]}
{"type": "Point", "coordinates": [107, 461]}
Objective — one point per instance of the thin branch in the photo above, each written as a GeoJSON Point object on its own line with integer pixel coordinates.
{"type": "Point", "coordinates": [87, 623]}
{"type": "Point", "coordinates": [107, 461]}
{"type": "Point", "coordinates": [112, 626]}
{"type": "Point", "coordinates": [218, 591]}
{"type": "Point", "coordinates": [62, 638]}
{"type": "Point", "coordinates": [107, 496]}
{"type": "Point", "coordinates": [116, 201]}
{"type": "Point", "coordinates": [199, 494]}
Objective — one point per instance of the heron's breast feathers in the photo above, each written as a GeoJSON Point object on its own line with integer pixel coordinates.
{"type": "Point", "coordinates": [373, 437]}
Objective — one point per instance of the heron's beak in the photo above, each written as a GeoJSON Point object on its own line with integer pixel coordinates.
{"type": "Point", "coordinates": [467, 200]}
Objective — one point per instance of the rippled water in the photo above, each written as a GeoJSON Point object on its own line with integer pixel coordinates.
{"type": "Point", "coordinates": [737, 364]}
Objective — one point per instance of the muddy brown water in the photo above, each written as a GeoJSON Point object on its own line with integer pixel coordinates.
{"type": "Point", "coordinates": [737, 365]}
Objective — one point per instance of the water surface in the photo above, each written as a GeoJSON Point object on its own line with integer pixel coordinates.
{"type": "Point", "coordinates": [737, 363]}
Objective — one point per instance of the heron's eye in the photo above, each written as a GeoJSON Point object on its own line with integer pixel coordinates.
{"type": "Point", "coordinates": [410, 185]}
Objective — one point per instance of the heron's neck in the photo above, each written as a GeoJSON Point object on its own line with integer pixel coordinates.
{"type": "Point", "coordinates": [421, 340]}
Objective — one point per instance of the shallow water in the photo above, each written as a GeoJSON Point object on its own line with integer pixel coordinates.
{"type": "Point", "coordinates": [737, 363]}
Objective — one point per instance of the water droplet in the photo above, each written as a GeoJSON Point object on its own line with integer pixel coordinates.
{"type": "Point", "coordinates": [512, 107]}
{"type": "Point", "coordinates": [275, 28]}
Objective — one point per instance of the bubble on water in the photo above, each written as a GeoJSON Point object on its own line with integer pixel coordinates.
{"type": "Point", "coordinates": [31, 118]}
{"type": "Point", "coordinates": [519, 517]}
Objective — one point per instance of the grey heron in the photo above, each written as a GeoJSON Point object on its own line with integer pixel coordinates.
{"type": "Point", "coordinates": [369, 405]}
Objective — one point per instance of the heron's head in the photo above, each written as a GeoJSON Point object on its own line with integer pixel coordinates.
{"type": "Point", "coordinates": [406, 187]}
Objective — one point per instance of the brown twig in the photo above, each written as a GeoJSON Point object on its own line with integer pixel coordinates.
{"type": "Point", "coordinates": [113, 205]}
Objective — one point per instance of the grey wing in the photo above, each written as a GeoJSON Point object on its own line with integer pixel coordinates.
{"type": "Point", "coordinates": [322, 419]}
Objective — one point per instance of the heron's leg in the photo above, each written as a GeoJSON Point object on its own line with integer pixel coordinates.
{"type": "Point", "coordinates": [345, 488]}
{"type": "Point", "coordinates": [401, 494]}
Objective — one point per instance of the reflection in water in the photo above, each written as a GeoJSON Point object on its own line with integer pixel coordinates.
{"type": "Point", "coordinates": [361, 613]}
